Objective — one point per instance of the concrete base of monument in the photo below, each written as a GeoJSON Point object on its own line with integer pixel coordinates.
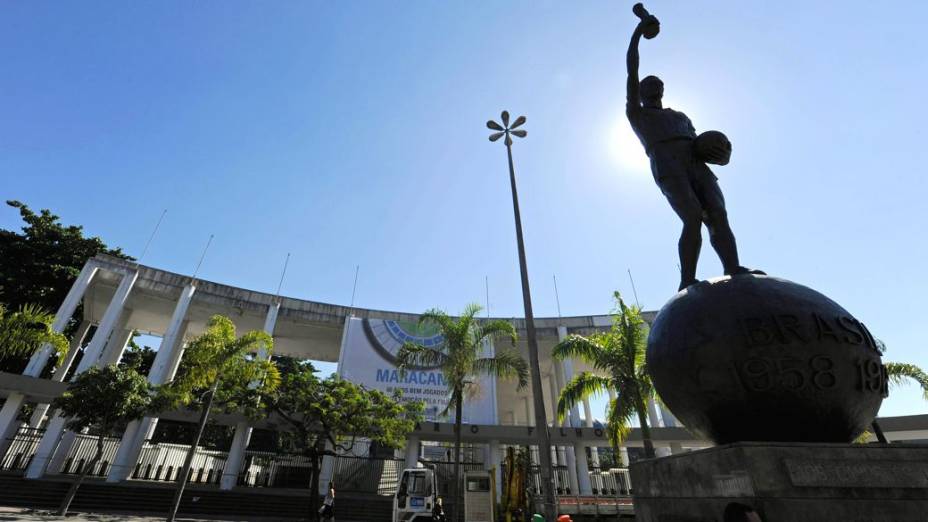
{"type": "Point", "coordinates": [786, 482]}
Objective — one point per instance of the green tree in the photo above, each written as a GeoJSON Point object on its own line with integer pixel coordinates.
{"type": "Point", "coordinates": [24, 332]}
{"type": "Point", "coordinates": [324, 416]}
{"type": "Point", "coordinates": [141, 358]}
{"type": "Point", "coordinates": [222, 369]}
{"type": "Point", "coordinates": [898, 374]}
{"type": "Point", "coordinates": [619, 357]}
{"type": "Point", "coordinates": [102, 400]}
{"type": "Point", "coordinates": [39, 264]}
{"type": "Point", "coordinates": [459, 358]}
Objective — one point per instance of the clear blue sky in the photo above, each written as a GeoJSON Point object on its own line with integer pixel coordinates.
{"type": "Point", "coordinates": [352, 133]}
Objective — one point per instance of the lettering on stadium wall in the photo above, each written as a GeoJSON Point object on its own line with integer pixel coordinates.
{"type": "Point", "coordinates": [368, 358]}
{"type": "Point", "coordinates": [389, 375]}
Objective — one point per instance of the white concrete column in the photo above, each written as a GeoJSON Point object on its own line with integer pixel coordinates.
{"type": "Point", "coordinates": [662, 451]}
{"type": "Point", "coordinates": [653, 416]}
{"type": "Point", "coordinates": [50, 441]}
{"type": "Point", "coordinates": [558, 456]}
{"type": "Point", "coordinates": [571, 462]}
{"type": "Point", "coordinates": [553, 391]}
{"type": "Point", "coordinates": [582, 470]}
{"type": "Point", "coordinates": [14, 401]}
{"type": "Point", "coordinates": [162, 370]}
{"type": "Point", "coordinates": [588, 422]}
{"type": "Point", "coordinates": [412, 452]}
{"type": "Point", "coordinates": [46, 449]}
{"type": "Point", "coordinates": [169, 353]}
{"type": "Point", "coordinates": [109, 322]}
{"type": "Point", "coordinates": [9, 424]}
{"type": "Point", "coordinates": [62, 371]}
{"type": "Point", "coordinates": [567, 366]}
{"type": "Point", "coordinates": [40, 358]}
{"type": "Point", "coordinates": [557, 452]}
{"type": "Point", "coordinates": [669, 420]}
{"type": "Point", "coordinates": [116, 346]}
{"type": "Point", "coordinates": [326, 471]}
{"type": "Point", "coordinates": [623, 456]}
{"type": "Point", "coordinates": [236, 456]}
{"type": "Point", "coordinates": [270, 321]}
{"type": "Point", "coordinates": [243, 430]}
{"type": "Point", "coordinates": [38, 414]}
{"type": "Point", "coordinates": [676, 448]}
{"type": "Point", "coordinates": [587, 414]}
{"type": "Point", "coordinates": [496, 464]}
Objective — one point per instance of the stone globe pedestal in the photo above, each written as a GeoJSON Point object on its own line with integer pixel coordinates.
{"type": "Point", "coordinates": [758, 358]}
{"type": "Point", "coordinates": [783, 379]}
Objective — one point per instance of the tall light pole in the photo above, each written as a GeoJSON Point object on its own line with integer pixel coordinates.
{"type": "Point", "coordinates": [541, 422]}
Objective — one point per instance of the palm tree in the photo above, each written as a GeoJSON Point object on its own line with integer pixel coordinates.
{"type": "Point", "coordinates": [900, 374]}
{"type": "Point", "coordinates": [459, 359]}
{"type": "Point", "coordinates": [618, 355]}
{"type": "Point", "coordinates": [27, 330]}
{"type": "Point", "coordinates": [218, 366]}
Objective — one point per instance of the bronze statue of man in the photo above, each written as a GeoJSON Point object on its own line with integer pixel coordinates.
{"type": "Point", "coordinates": [678, 163]}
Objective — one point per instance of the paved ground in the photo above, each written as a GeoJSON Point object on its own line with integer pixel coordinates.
{"type": "Point", "coordinates": [36, 515]}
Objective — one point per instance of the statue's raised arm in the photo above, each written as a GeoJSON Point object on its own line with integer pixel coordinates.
{"type": "Point", "coordinates": [647, 27]}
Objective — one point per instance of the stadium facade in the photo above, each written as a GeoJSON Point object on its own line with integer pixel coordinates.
{"type": "Point", "coordinates": [120, 297]}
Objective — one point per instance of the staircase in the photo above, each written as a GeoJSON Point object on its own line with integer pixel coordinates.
{"type": "Point", "coordinates": [149, 498]}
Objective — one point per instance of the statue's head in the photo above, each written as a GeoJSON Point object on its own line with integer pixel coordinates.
{"type": "Point", "coordinates": [651, 90]}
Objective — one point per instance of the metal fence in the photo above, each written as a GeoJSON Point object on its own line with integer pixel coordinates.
{"type": "Point", "coordinates": [163, 462]}
{"type": "Point", "coordinates": [444, 473]}
{"type": "Point", "coordinates": [265, 469]}
{"type": "Point", "coordinates": [367, 475]}
{"type": "Point", "coordinates": [22, 447]}
{"type": "Point", "coordinates": [561, 480]}
{"type": "Point", "coordinates": [81, 452]}
{"type": "Point", "coordinates": [611, 482]}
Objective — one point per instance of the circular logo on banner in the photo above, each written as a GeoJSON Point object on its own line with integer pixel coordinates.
{"type": "Point", "coordinates": [388, 336]}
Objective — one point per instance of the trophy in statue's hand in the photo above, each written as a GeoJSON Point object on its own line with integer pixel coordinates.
{"type": "Point", "coordinates": [649, 24]}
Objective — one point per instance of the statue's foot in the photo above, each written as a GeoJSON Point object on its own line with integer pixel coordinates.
{"type": "Point", "coordinates": [741, 270]}
{"type": "Point", "coordinates": [687, 283]}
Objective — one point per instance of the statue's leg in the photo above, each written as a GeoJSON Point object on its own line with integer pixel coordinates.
{"type": "Point", "coordinates": [720, 234]}
{"type": "Point", "coordinates": [679, 192]}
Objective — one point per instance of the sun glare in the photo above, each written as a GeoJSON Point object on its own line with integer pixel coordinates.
{"type": "Point", "coordinates": [625, 150]}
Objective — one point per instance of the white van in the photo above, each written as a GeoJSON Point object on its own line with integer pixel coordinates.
{"type": "Point", "coordinates": [415, 496]}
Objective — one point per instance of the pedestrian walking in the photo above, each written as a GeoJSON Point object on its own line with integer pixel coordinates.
{"type": "Point", "coordinates": [327, 511]}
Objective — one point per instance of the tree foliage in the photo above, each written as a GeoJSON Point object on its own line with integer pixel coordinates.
{"type": "Point", "coordinates": [459, 356]}
{"type": "Point", "coordinates": [25, 331]}
{"type": "Point", "coordinates": [324, 416]}
{"type": "Point", "coordinates": [39, 264]}
{"type": "Point", "coordinates": [618, 355]}
{"type": "Point", "coordinates": [105, 399]}
{"type": "Point", "coordinates": [218, 356]}
{"type": "Point", "coordinates": [140, 358]}
{"type": "Point", "coordinates": [460, 359]}
{"type": "Point", "coordinates": [900, 374]}
{"type": "Point", "coordinates": [335, 411]}
{"type": "Point", "coordinates": [102, 400]}
{"type": "Point", "coordinates": [219, 367]}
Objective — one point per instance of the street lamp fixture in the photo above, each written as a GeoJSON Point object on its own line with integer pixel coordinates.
{"type": "Point", "coordinates": [541, 423]}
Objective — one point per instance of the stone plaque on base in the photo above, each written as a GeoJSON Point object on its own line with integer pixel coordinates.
{"type": "Point", "coordinates": [786, 482]}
